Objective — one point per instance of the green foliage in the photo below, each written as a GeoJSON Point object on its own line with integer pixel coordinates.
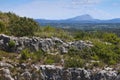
{"type": "Point", "coordinates": [50, 59]}
{"type": "Point", "coordinates": [105, 52]}
{"type": "Point", "coordinates": [95, 57]}
{"type": "Point", "coordinates": [111, 37]}
{"type": "Point", "coordinates": [83, 35]}
{"type": "Point", "coordinates": [84, 53]}
{"type": "Point", "coordinates": [39, 54]}
{"type": "Point", "coordinates": [73, 51]}
{"type": "Point", "coordinates": [106, 46]}
{"type": "Point", "coordinates": [103, 36]}
{"type": "Point", "coordinates": [112, 62]}
{"type": "Point", "coordinates": [11, 44]}
{"type": "Point", "coordinates": [12, 24]}
{"type": "Point", "coordinates": [25, 54]}
{"type": "Point", "coordinates": [49, 31]}
{"type": "Point", "coordinates": [74, 62]}
{"type": "Point", "coordinates": [80, 35]}
{"type": "Point", "coordinates": [23, 27]}
{"type": "Point", "coordinates": [2, 27]}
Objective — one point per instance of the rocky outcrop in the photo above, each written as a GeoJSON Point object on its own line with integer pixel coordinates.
{"type": "Point", "coordinates": [51, 72]}
{"type": "Point", "coordinates": [25, 70]}
{"type": "Point", "coordinates": [49, 45]}
{"type": "Point", "coordinates": [54, 73]}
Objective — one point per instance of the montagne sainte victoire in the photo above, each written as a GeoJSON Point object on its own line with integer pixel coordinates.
{"type": "Point", "coordinates": [80, 19]}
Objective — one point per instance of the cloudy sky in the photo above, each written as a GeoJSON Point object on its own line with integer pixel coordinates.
{"type": "Point", "coordinates": [62, 9]}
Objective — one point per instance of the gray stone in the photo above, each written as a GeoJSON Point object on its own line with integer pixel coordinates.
{"type": "Point", "coordinates": [118, 77]}
{"type": "Point", "coordinates": [45, 44]}
{"type": "Point", "coordinates": [3, 64]}
{"type": "Point", "coordinates": [5, 74]}
{"type": "Point", "coordinates": [26, 75]}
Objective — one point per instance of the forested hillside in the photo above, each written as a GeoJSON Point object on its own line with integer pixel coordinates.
{"type": "Point", "coordinates": [12, 24]}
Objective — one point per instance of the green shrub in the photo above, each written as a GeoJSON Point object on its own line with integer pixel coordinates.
{"type": "Point", "coordinates": [111, 37]}
{"type": "Point", "coordinates": [74, 62]}
{"type": "Point", "coordinates": [48, 31]}
{"type": "Point", "coordinates": [2, 27]}
{"type": "Point", "coordinates": [39, 54]}
{"type": "Point", "coordinates": [12, 24]}
{"type": "Point", "coordinates": [105, 52]}
{"type": "Point", "coordinates": [95, 57]}
{"type": "Point", "coordinates": [50, 59]}
{"type": "Point", "coordinates": [25, 54]}
{"type": "Point", "coordinates": [84, 53]}
{"type": "Point", "coordinates": [11, 44]}
{"type": "Point", "coordinates": [23, 27]}
{"type": "Point", "coordinates": [73, 51]}
{"type": "Point", "coordinates": [112, 62]}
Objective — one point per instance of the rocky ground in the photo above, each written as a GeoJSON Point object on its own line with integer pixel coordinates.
{"type": "Point", "coordinates": [26, 71]}
{"type": "Point", "coordinates": [12, 68]}
{"type": "Point", "coordinates": [49, 45]}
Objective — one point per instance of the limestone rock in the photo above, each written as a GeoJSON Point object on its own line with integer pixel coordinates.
{"type": "Point", "coordinates": [47, 45]}
{"type": "Point", "coordinates": [5, 74]}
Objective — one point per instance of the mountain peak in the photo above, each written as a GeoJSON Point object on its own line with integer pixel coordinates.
{"type": "Point", "coordinates": [86, 15]}
{"type": "Point", "coordinates": [83, 17]}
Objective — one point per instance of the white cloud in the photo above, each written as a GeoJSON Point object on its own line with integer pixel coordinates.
{"type": "Point", "coordinates": [85, 2]}
{"type": "Point", "coordinates": [60, 9]}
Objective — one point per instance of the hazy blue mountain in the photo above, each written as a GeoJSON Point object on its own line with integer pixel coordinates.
{"type": "Point", "coordinates": [80, 19]}
{"type": "Point", "coordinates": [85, 17]}
{"type": "Point", "coordinates": [116, 20]}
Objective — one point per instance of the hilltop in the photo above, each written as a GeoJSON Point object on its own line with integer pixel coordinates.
{"type": "Point", "coordinates": [12, 24]}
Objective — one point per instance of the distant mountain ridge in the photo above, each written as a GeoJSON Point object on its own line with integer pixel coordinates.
{"type": "Point", "coordinates": [82, 17]}
{"type": "Point", "coordinates": [79, 19]}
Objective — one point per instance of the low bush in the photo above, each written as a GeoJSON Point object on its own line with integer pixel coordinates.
{"type": "Point", "coordinates": [50, 59]}
{"type": "Point", "coordinates": [25, 54]}
{"type": "Point", "coordinates": [74, 62]}
{"type": "Point", "coordinates": [11, 44]}
{"type": "Point", "coordinates": [39, 54]}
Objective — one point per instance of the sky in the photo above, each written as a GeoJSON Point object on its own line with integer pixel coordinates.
{"type": "Point", "coordinates": [62, 9]}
